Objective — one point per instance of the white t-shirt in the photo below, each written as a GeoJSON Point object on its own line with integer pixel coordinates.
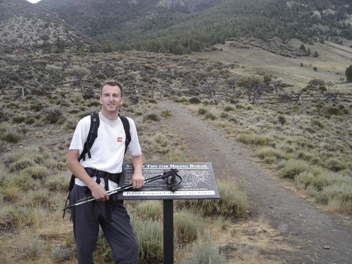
{"type": "Point", "coordinates": [108, 150]}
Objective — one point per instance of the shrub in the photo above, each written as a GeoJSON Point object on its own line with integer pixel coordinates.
{"type": "Point", "coordinates": [52, 114]}
{"type": "Point", "coordinates": [339, 193]}
{"type": "Point", "coordinates": [166, 114]}
{"type": "Point", "coordinates": [10, 193]}
{"type": "Point", "coordinates": [229, 109]}
{"type": "Point", "coordinates": [289, 169]}
{"type": "Point", "coordinates": [11, 135]}
{"type": "Point", "coordinates": [269, 154]}
{"type": "Point", "coordinates": [202, 111]}
{"type": "Point", "coordinates": [152, 117]}
{"type": "Point", "coordinates": [149, 236]}
{"type": "Point", "coordinates": [210, 116]}
{"type": "Point", "coordinates": [333, 111]}
{"type": "Point", "coordinates": [205, 253]}
{"type": "Point", "coordinates": [36, 107]}
{"type": "Point", "coordinates": [41, 199]}
{"type": "Point", "coordinates": [150, 210]}
{"type": "Point", "coordinates": [58, 182]}
{"type": "Point", "coordinates": [36, 172]}
{"type": "Point", "coordinates": [88, 93]}
{"type": "Point", "coordinates": [18, 119]}
{"type": "Point", "coordinates": [305, 155]}
{"type": "Point", "coordinates": [335, 164]}
{"type": "Point", "coordinates": [307, 178]}
{"type": "Point", "coordinates": [152, 101]}
{"type": "Point", "coordinates": [281, 119]}
{"type": "Point", "coordinates": [3, 115]}
{"type": "Point", "coordinates": [224, 115]}
{"type": "Point", "coordinates": [187, 226]}
{"type": "Point", "coordinates": [60, 253]}
{"type": "Point", "coordinates": [20, 217]}
{"type": "Point", "coordinates": [194, 100]}
{"type": "Point", "coordinates": [24, 182]}
{"type": "Point", "coordinates": [31, 248]}
{"type": "Point", "coordinates": [254, 139]}
{"type": "Point", "coordinates": [21, 164]}
{"type": "Point", "coordinates": [233, 202]}
{"type": "Point", "coordinates": [317, 123]}
{"type": "Point", "coordinates": [29, 121]}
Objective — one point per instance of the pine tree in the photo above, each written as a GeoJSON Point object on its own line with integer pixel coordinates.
{"type": "Point", "coordinates": [348, 74]}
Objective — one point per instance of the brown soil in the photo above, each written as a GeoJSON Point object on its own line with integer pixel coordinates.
{"type": "Point", "coordinates": [316, 235]}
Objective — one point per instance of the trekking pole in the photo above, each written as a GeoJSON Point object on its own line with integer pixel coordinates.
{"type": "Point", "coordinates": [172, 173]}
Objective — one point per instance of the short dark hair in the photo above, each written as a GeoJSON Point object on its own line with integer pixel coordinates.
{"type": "Point", "coordinates": [111, 83]}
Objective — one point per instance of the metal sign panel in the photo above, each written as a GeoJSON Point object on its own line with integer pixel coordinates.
{"type": "Point", "coordinates": [198, 182]}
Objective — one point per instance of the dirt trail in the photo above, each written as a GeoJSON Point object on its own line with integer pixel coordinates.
{"type": "Point", "coordinates": [319, 236]}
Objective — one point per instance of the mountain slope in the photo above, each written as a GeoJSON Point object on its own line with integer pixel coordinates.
{"type": "Point", "coordinates": [180, 26]}
{"type": "Point", "coordinates": [27, 28]}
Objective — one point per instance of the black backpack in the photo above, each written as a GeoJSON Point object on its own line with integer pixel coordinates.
{"type": "Point", "coordinates": [92, 135]}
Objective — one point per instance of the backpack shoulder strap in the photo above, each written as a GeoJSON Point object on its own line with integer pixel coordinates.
{"type": "Point", "coordinates": [92, 135]}
{"type": "Point", "coordinates": [126, 126]}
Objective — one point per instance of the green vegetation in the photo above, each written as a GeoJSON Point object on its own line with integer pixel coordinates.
{"type": "Point", "coordinates": [348, 73]}
{"type": "Point", "coordinates": [317, 162]}
{"type": "Point", "coordinates": [301, 134]}
{"type": "Point", "coordinates": [205, 253]}
{"type": "Point", "coordinates": [194, 27]}
{"type": "Point", "coordinates": [234, 19]}
{"type": "Point", "coordinates": [34, 181]}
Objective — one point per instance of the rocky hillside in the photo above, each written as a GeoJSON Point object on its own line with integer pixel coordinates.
{"type": "Point", "coordinates": [128, 17]}
{"type": "Point", "coordinates": [169, 26]}
{"type": "Point", "coordinates": [180, 26]}
{"type": "Point", "coordinates": [25, 28]}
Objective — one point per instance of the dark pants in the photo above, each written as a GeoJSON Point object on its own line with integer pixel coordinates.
{"type": "Point", "coordinates": [118, 232]}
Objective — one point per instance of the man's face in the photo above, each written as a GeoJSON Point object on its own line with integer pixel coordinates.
{"type": "Point", "coordinates": [111, 98]}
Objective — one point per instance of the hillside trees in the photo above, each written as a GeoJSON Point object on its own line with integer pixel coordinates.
{"type": "Point", "coordinates": [316, 85]}
{"type": "Point", "coordinates": [348, 74]}
{"type": "Point", "coordinates": [190, 29]}
{"type": "Point", "coordinates": [79, 73]}
{"type": "Point", "coordinates": [253, 86]}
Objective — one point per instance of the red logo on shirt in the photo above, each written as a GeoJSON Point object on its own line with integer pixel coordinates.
{"type": "Point", "coordinates": [119, 139]}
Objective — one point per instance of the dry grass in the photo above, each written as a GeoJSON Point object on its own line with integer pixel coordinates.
{"type": "Point", "coordinates": [331, 62]}
{"type": "Point", "coordinates": [246, 241]}
{"type": "Point", "coordinates": [31, 221]}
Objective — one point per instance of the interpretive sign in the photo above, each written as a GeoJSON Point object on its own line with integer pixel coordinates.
{"type": "Point", "coordinates": [198, 182]}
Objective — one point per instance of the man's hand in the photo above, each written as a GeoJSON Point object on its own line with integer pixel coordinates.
{"type": "Point", "coordinates": [99, 193]}
{"type": "Point", "coordinates": [137, 181]}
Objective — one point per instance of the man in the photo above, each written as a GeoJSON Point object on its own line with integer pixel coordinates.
{"type": "Point", "coordinates": [104, 164]}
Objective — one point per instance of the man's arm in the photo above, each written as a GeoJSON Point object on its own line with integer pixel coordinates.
{"type": "Point", "coordinates": [137, 179]}
{"type": "Point", "coordinates": [98, 192]}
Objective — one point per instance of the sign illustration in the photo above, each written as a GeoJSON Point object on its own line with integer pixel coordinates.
{"type": "Point", "coordinates": [198, 182]}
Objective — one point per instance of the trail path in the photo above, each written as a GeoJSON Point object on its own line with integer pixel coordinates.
{"type": "Point", "coordinates": [319, 236]}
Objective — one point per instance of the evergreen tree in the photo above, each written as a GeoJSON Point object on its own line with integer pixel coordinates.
{"type": "Point", "coordinates": [348, 74]}
{"type": "Point", "coordinates": [308, 52]}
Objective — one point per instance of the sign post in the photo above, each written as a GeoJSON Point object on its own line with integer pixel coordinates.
{"type": "Point", "coordinates": [168, 231]}
{"type": "Point", "coordinates": [198, 182]}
